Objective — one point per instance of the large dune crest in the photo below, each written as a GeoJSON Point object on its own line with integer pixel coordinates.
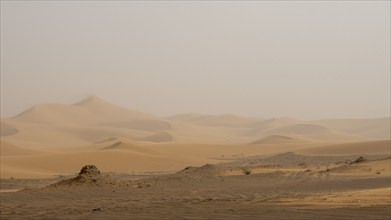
{"type": "Point", "coordinates": [110, 111]}
{"type": "Point", "coordinates": [92, 110]}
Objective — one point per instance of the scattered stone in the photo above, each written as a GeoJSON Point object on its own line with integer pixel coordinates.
{"type": "Point", "coordinates": [359, 160]}
{"type": "Point", "coordinates": [97, 210]}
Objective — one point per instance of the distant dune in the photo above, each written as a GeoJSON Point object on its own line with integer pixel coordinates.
{"type": "Point", "coordinates": [301, 129]}
{"type": "Point", "coordinates": [120, 145]}
{"type": "Point", "coordinates": [47, 138]}
{"type": "Point", "coordinates": [378, 128]}
{"type": "Point", "coordinates": [185, 117]}
{"type": "Point", "coordinates": [89, 111]}
{"type": "Point", "coordinates": [144, 125]}
{"type": "Point", "coordinates": [93, 119]}
{"type": "Point", "coordinates": [111, 139]}
{"type": "Point", "coordinates": [7, 129]}
{"type": "Point", "coordinates": [110, 111]}
{"type": "Point", "coordinates": [8, 149]}
{"type": "Point", "coordinates": [370, 147]}
{"type": "Point", "coordinates": [270, 124]}
{"type": "Point", "coordinates": [215, 120]}
{"type": "Point", "coordinates": [276, 139]}
{"type": "Point", "coordinates": [159, 137]}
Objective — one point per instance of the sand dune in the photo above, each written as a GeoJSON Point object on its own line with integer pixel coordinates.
{"type": "Point", "coordinates": [94, 119]}
{"type": "Point", "coordinates": [92, 110]}
{"type": "Point", "coordinates": [119, 146]}
{"type": "Point", "coordinates": [93, 129]}
{"type": "Point", "coordinates": [276, 139]}
{"type": "Point", "coordinates": [215, 120]}
{"type": "Point", "coordinates": [159, 137]}
{"type": "Point", "coordinates": [350, 148]}
{"type": "Point", "coordinates": [131, 147]}
{"type": "Point", "coordinates": [56, 114]}
{"type": "Point", "coordinates": [111, 140]}
{"type": "Point", "coordinates": [124, 155]}
{"type": "Point", "coordinates": [45, 166]}
{"type": "Point", "coordinates": [301, 129]}
{"type": "Point", "coordinates": [270, 124]}
{"type": "Point", "coordinates": [7, 129]}
{"type": "Point", "coordinates": [313, 132]}
{"type": "Point", "coordinates": [144, 125]}
{"type": "Point", "coordinates": [110, 111]}
{"type": "Point", "coordinates": [378, 128]}
{"type": "Point", "coordinates": [185, 117]}
{"type": "Point", "coordinates": [54, 136]}
{"type": "Point", "coordinates": [8, 149]}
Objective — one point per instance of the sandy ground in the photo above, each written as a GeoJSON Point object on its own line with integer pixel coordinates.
{"type": "Point", "coordinates": [330, 188]}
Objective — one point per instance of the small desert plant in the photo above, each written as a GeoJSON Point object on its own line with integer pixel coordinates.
{"type": "Point", "coordinates": [327, 168]}
{"type": "Point", "coordinates": [246, 171]}
{"type": "Point", "coordinates": [325, 171]}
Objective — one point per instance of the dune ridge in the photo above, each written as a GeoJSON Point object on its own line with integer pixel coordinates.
{"type": "Point", "coordinates": [8, 149]}
{"type": "Point", "coordinates": [276, 139]}
{"type": "Point", "coordinates": [94, 130]}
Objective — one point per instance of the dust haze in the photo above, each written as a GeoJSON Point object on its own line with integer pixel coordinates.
{"type": "Point", "coordinates": [309, 60]}
{"type": "Point", "coordinates": [195, 110]}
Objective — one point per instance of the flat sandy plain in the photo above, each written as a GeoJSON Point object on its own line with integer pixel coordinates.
{"type": "Point", "coordinates": [190, 166]}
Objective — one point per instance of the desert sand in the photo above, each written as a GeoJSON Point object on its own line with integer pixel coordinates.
{"type": "Point", "coordinates": [190, 166]}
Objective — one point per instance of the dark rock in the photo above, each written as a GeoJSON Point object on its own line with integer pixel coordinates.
{"type": "Point", "coordinates": [89, 175]}
{"type": "Point", "coordinates": [359, 160]}
{"type": "Point", "coordinates": [89, 170]}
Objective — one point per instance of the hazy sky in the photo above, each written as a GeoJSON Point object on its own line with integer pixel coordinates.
{"type": "Point", "coordinates": [300, 59]}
